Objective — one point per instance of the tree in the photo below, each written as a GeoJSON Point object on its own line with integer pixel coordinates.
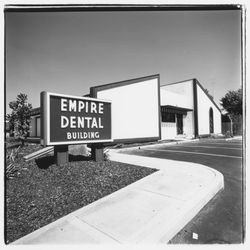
{"type": "Point", "coordinates": [19, 118]}
{"type": "Point", "coordinates": [232, 103]}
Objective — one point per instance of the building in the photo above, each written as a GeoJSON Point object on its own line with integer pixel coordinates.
{"type": "Point", "coordinates": [188, 111]}
{"type": "Point", "coordinates": [142, 110]}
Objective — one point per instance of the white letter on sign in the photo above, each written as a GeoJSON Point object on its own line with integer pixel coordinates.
{"type": "Point", "coordinates": [68, 136]}
{"type": "Point", "coordinates": [63, 104]}
{"type": "Point", "coordinates": [72, 122]}
{"type": "Point", "coordinates": [93, 107]}
{"type": "Point", "coordinates": [80, 122]}
{"type": "Point", "coordinates": [64, 122]}
{"type": "Point", "coordinates": [100, 108]}
{"type": "Point", "coordinates": [80, 106]}
{"type": "Point", "coordinates": [100, 122]}
{"type": "Point", "coordinates": [72, 105]}
{"type": "Point", "coordinates": [94, 123]}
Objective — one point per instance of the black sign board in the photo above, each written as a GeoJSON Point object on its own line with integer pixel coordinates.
{"type": "Point", "coordinates": [74, 120]}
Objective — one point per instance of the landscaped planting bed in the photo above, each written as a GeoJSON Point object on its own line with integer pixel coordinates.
{"type": "Point", "coordinates": [40, 192]}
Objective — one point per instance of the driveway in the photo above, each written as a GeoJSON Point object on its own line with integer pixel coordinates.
{"type": "Point", "coordinates": [221, 220]}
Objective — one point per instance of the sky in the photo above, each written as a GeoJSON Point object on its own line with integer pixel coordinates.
{"type": "Point", "coordinates": [68, 52]}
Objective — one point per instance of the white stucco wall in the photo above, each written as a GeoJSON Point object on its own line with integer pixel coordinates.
{"type": "Point", "coordinates": [204, 104]}
{"type": "Point", "coordinates": [135, 109]}
{"type": "Point", "coordinates": [217, 122]}
{"type": "Point", "coordinates": [188, 124]}
{"type": "Point", "coordinates": [179, 94]}
{"type": "Point", "coordinates": [168, 130]}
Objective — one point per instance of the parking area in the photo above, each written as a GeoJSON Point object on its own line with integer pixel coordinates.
{"type": "Point", "coordinates": [221, 220]}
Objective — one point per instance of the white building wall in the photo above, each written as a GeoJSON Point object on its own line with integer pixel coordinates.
{"type": "Point", "coordinates": [173, 99]}
{"type": "Point", "coordinates": [179, 94]}
{"type": "Point", "coordinates": [168, 130]}
{"type": "Point", "coordinates": [188, 124]}
{"type": "Point", "coordinates": [203, 106]}
{"type": "Point", "coordinates": [135, 109]}
{"type": "Point", "coordinates": [217, 122]}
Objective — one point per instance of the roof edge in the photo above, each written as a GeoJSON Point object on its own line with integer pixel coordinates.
{"type": "Point", "coordinates": [197, 82]}
{"type": "Point", "coordinates": [191, 79]}
{"type": "Point", "coordinates": [95, 89]}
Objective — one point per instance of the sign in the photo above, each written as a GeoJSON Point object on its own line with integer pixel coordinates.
{"type": "Point", "coordinates": [74, 120]}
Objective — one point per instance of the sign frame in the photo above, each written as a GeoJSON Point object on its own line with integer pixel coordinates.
{"type": "Point", "coordinates": [45, 120]}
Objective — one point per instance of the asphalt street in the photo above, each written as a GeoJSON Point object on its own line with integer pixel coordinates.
{"type": "Point", "coordinates": [222, 219]}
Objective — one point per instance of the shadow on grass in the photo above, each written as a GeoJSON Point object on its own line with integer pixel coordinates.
{"type": "Point", "coordinates": [47, 161]}
{"type": "Point", "coordinates": [73, 158]}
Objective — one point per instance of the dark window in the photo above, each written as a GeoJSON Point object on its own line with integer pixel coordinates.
{"type": "Point", "coordinates": [211, 121]}
{"type": "Point", "coordinates": [167, 117]}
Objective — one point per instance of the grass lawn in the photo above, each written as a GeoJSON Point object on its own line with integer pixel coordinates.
{"type": "Point", "coordinates": [41, 192]}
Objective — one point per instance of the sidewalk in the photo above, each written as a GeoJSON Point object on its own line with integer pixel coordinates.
{"type": "Point", "coordinates": [151, 210]}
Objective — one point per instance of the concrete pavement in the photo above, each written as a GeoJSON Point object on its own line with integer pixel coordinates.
{"type": "Point", "coordinates": [151, 210]}
{"type": "Point", "coordinates": [222, 219]}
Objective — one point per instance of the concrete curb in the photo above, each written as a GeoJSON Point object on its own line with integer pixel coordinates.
{"type": "Point", "coordinates": [234, 138]}
{"type": "Point", "coordinates": [71, 216]}
{"type": "Point", "coordinates": [164, 225]}
{"type": "Point", "coordinates": [156, 144]}
{"type": "Point", "coordinates": [163, 233]}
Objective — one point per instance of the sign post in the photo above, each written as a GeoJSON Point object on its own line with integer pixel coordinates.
{"type": "Point", "coordinates": [97, 152]}
{"type": "Point", "coordinates": [67, 120]}
{"type": "Point", "coordinates": [61, 154]}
